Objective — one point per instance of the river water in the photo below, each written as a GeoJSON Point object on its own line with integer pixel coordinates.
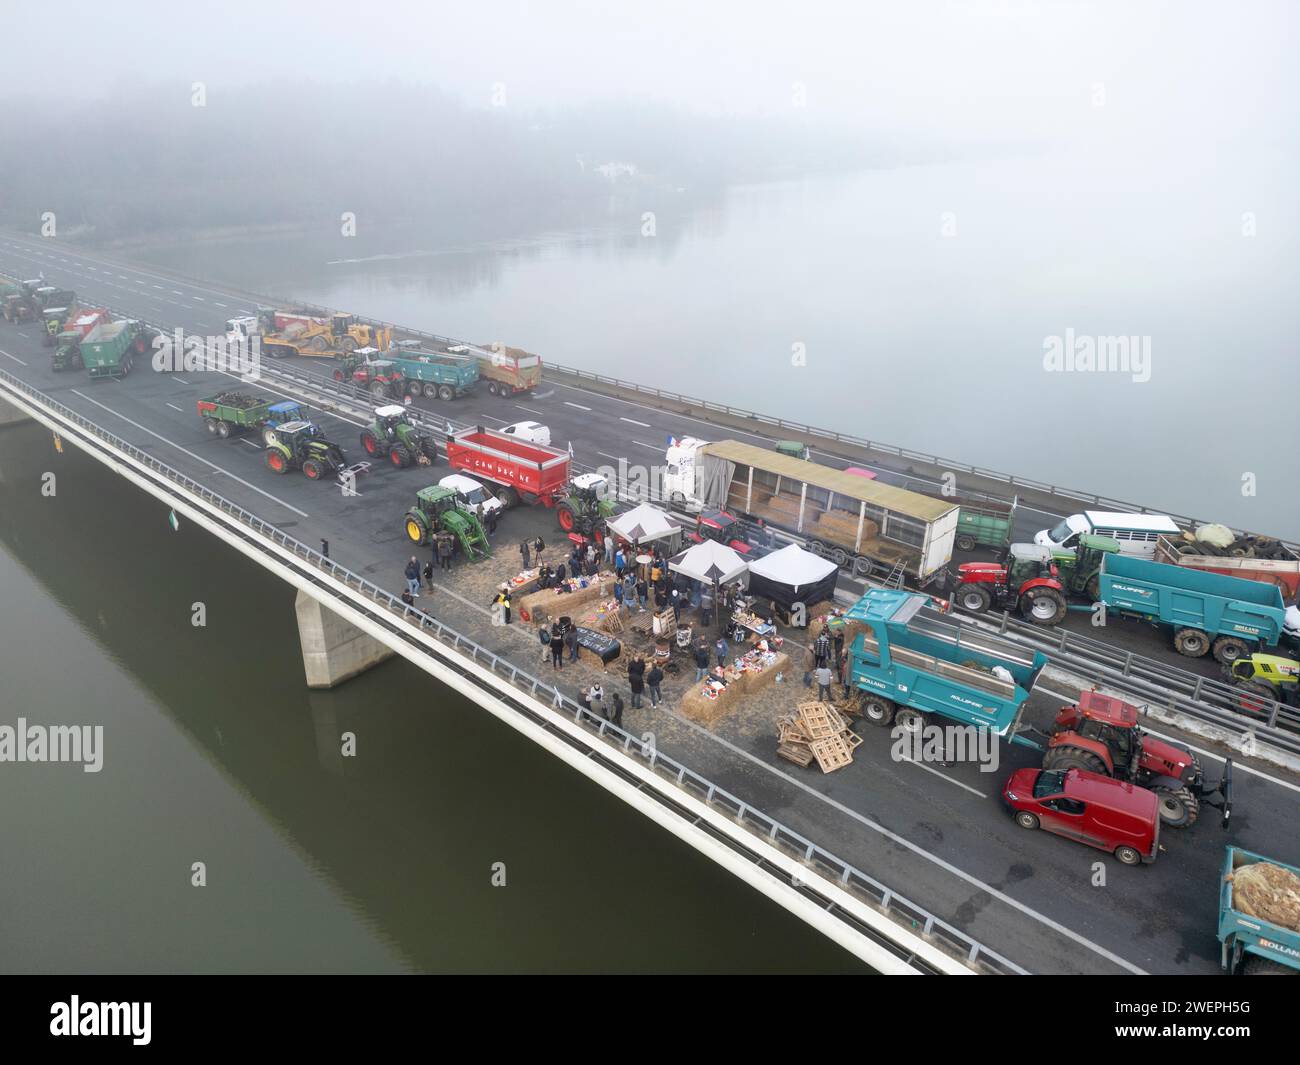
{"type": "Point", "coordinates": [215, 752]}
{"type": "Point", "coordinates": [923, 300]}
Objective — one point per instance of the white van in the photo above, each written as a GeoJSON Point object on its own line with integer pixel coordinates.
{"type": "Point", "coordinates": [533, 432]}
{"type": "Point", "coordinates": [1137, 533]}
{"type": "Point", "coordinates": [472, 495]}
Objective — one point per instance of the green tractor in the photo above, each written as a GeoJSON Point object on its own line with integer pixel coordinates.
{"type": "Point", "coordinates": [391, 435]}
{"type": "Point", "coordinates": [436, 510]}
{"type": "Point", "coordinates": [67, 352]}
{"type": "Point", "coordinates": [1080, 568]}
{"type": "Point", "coordinates": [586, 507]}
{"type": "Point", "coordinates": [52, 318]}
{"type": "Point", "coordinates": [301, 446]}
{"type": "Point", "coordinates": [1273, 677]}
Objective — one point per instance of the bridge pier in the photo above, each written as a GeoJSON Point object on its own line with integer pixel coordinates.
{"type": "Point", "coordinates": [332, 649]}
{"type": "Point", "coordinates": [10, 415]}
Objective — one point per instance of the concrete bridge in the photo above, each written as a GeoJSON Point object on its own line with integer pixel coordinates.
{"type": "Point", "coordinates": [908, 871]}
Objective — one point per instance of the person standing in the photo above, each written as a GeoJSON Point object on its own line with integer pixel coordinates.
{"type": "Point", "coordinates": [523, 550]}
{"type": "Point", "coordinates": [636, 679]}
{"type": "Point", "coordinates": [618, 597]}
{"type": "Point", "coordinates": [652, 680]}
{"type": "Point", "coordinates": [557, 648]}
{"type": "Point", "coordinates": [701, 660]}
{"type": "Point", "coordinates": [501, 604]}
{"type": "Point", "coordinates": [706, 608]}
{"type": "Point", "coordinates": [641, 590]}
{"type": "Point", "coordinates": [428, 574]}
{"type": "Point", "coordinates": [413, 578]}
{"type": "Point", "coordinates": [596, 699]}
{"type": "Point", "coordinates": [837, 643]}
{"type": "Point", "coordinates": [571, 642]}
{"type": "Point", "coordinates": [722, 650]}
{"type": "Point", "coordinates": [609, 550]}
{"type": "Point", "coordinates": [444, 549]}
{"type": "Point", "coordinates": [824, 678]}
{"type": "Point", "coordinates": [560, 574]}
{"type": "Point", "coordinates": [822, 648]}
{"type": "Point", "coordinates": [618, 709]}
{"type": "Point", "coordinates": [809, 664]}
{"type": "Point", "coordinates": [490, 521]}
{"type": "Point", "coordinates": [620, 562]}
{"type": "Point", "coordinates": [676, 599]}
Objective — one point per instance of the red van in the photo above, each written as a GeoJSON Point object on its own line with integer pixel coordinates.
{"type": "Point", "coordinates": [1108, 814]}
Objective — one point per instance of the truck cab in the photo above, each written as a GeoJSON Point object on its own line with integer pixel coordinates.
{"type": "Point", "coordinates": [472, 496]}
{"type": "Point", "coordinates": [1111, 815]}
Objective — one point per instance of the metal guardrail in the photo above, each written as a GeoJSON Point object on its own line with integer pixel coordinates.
{"type": "Point", "coordinates": [1146, 680]}
{"type": "Point", "coordinates": [754, 820]}
{"type": "Point", "coordinates": [781, 424]}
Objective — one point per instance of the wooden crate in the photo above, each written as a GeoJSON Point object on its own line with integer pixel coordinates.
{"type": "Point", "coordinates": [799, 755]}
{"type": "Point", "coordinates": [832, 753]}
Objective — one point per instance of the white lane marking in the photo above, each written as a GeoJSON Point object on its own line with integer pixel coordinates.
{"type": "Point", "coordinates": [216, 304]}
{"type": "Point", "coordinates": [529, 410]}
{"type": "Point", "coordinates": [916, 849]}
{"type": "Point", "coordinates": [578, 405]}
{"type": "Point", "coordinates": [652, 447]}
{"type": "Point", "coordinates": [159, 287]}
{"type": "Point", "coordinates": [14, 357]}
{"type": "Point", "coordinates": [182, 380]}
{"type": "Point", "coordinates": [491, 418]}
{"type": "Point", "coordinates": [175, 293]}
{"type": "Point", "coordinates": [606, 455]}
{"type": "Point", "coordinates": [124, 277]}
{"type": "Point", "coordinates": [199, 298]}
{"type": "Point", "coordinates": [192, 455]}
{"type": "Point", "coordinates": [950, 780]}
{"type": "Point", "coordinates": [245, 440]}
{"type": "Point", "coordinates": [633, 421]}
{"type": "Point", "coordinates": [25, 335]}
{"type": "Point", "coordinates": [175, 408]}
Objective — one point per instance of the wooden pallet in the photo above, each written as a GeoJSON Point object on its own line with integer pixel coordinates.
{"type": "Point", "coordinates": [819, 720]}
{"type": "Point", "coordinates": [832, 753]}
{"type": "Point", "coordinates": [799, 755]}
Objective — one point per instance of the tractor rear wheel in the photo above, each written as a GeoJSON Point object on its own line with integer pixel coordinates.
{"type": "Point", "coordinates": [223, 430]}
{"type": "Point", "coordinates": [430, 448]}
{"type": "Point", "coordinates": [1043, 606]}
{"type": "Point", "coordinates": [1067, 757]}
{"type": "Point", "coordinates": [1093, 589]}
{"type": "Point", "coordinates": [379, 389]}
{"type": "Point", "coordinates": [370, 442]}
{"type": "Point", "coordinates": [446, 393]}
{"type": "Point", "coordinates": [878, 710]}
{"type": "Point", "coordinates": [566, 516]}
{"type": "Point", "coordinates": [276, 461]}
{"type": "Point", "coordinates": [1179, 807]}
{"type": "Point", "coordinates": [339, 375]}
{"type": "Point", "coordinates": [313, 470]}
{"type": "Point", "coordinates": [1191, 642]}
{"type": "Point", "coordinates": [414, 529]}
{"type": "Point", "coordinates": [77, 362]}
{"type": "Point", "coordinates": [1229, 649]}
{"type": "Point", "coordinates": [399, 456]}
{"type": "Point", "coordinates": [1026, 820]}
{"type": "Point", "coordinates": [973, 597]}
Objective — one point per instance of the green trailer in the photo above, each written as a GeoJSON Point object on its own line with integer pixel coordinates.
{"type": "Point", "coordinates": [428, 374]}
{"type": "Point", "coordinates": [111, 348]}
{"type": "Point", "coordinates": [228, 413]}
{"type": "Point", "coordinates": [985, 523]}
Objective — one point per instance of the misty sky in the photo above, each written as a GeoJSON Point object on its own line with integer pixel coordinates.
{"type": "Point", "coordinates": [1007, 69]}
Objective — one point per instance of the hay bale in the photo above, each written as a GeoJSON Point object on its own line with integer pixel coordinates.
{"type": "Point", "coordinates": [1267, 892]}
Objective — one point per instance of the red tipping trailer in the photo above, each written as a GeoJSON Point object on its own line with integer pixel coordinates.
{"type": "Point", "coordinates": [532, 472]}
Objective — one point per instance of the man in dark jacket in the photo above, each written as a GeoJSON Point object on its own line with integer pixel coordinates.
{"type": "Point", "coordinates": [652, 680]}
{"type": "Point", "coordinates": [618, 709]}
{"type": "Point", "coordinates": [636, 679]}
{"type": "Point", "coordinates": [702, 659]}
{"type": "Point", "coordinates": [445, 545]}
{"type": "Point", "coordinates": [557, 648]}
{"type": "Point", "coordinates": [571, 642]}
{"type": "Point", "coordinates": [413, 578]}
{"type": "Point", "coordinates": [822, 649]}
{"type": "Point", "coordinates": [523, 551]}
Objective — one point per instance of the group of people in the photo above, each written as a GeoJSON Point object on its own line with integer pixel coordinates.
{"type": "Point", "coordinates": [441, 550]}
{"type": "Point", "coordinates": [593, 700]}
{"type": "Point", "coordinates": [825, 662]}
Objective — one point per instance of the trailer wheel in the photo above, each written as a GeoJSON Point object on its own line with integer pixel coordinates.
{"type": "Point", "coordinates": [1228, 649]}
{"type": "Point", "coordinates": [446, 393]}
{"type": "Point", "coordinates": [1043, 606]}
{"type": "Point", "coordinates": [1191, 642]}
{"type": "Point", "coordinates": [861, 566]}
{"type": "Point", "coordinates": [912, 721]}
{"type": "Point", "coordinates": [508, 496]}
{"type": "Point", "coordinates": [492, 388]}
{"type": "Point", "coordinates": [974, 597]}
{"type": "Point", "coordinates": [878, 710]}
{"type": "Point", "coordinates": [223, 430]}
{"type": "Point", "coordinates": [1179, 807]}
{"type": "Point", "coordinates": [1026, 820]}
{"type": "Point", "coordinates": [816, 547]}
{"type": "Point", "coordinates": [965, 542]}
{"type": "Point", "coordinates": [430, 391]}
{"type": "Point", "coordinates": [211, 425]}
{"type": "Point", "coordinates": [318, 343]}
{"type": "Point", "coordinates": [312, 470]}
{"type": "Point", "coordinates": [1128, 855]}
{"type": "Point", "coordinates": [399, 456]}
{"type": "Point", "coordinates": [1254, 965]}
{"type": "Point", "coordinates": [840, 557]}
{"type": "Point", "coordinates": [415, 388]}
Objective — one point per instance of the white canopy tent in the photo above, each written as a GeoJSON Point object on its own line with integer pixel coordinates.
{"type": "Point", "coordinates": [710, 562]}
{"type": "Point", "coordinates": [644, 524]}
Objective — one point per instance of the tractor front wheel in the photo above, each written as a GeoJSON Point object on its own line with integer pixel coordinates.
{"type": "Point", "coordinates": [1043, 606]}
{"type": "Point", "coordinates": [339, 375]}
{"type": "Point", "coordinates": [974, 597]}
{"type": "Point", "coordinates": [313, 470]}
{"type": "Point", "coordinates": [399, 456]}
{"type": "Point", "coordinates": [1179, 807]}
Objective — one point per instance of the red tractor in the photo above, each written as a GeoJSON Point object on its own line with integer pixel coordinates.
{"type": "Point", "coordinates": [1101, 734]}
{"type": "Point", "coordinates": [744, 535]}
{"type": "Point", "coordinates": [1028, 582]}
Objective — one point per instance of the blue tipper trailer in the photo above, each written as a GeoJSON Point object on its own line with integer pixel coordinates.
{"type": "Point", "coordinates": [908, 665]}
{"type": "Point", "coordinates": [1250, 944]}
{"type": "Point", "coordinates": [1208, 611]}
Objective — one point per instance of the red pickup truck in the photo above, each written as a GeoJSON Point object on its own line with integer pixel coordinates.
{"type": "Point", "coordinates": [535, 473]}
